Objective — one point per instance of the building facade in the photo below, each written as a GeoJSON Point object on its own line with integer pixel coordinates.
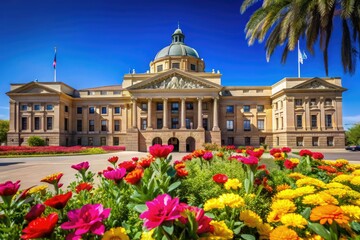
{"type": "Point", "coordinates": [178, 103]}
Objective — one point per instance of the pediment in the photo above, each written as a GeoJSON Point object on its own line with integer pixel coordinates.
{"type": "Point", "coordinates": [33, 88]}
{"type": "Point", "coordinates": [317, 83]}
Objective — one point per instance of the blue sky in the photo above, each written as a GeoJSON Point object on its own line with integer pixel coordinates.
{"type": "Point", "coordinates": [98, 41]}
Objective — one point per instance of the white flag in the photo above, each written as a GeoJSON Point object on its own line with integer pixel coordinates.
{"type": "Point", "coordinates": [300, 57]}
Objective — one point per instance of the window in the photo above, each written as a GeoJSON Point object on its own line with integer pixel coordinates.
{"type": "Point", "coordinates": [79, 125]}
{"type": "Point", "coordinates": [37, 123]}
{"type": "Point", "coordinates": [277, 141]}
{"type": "Point", "coordinates": [280, 104]}
{"type": "Point", "coordinates": [298, 102]}
{"type": "Point", "coordinates": [91, 125]}
{"type": "Point", "coordinates": [159, 123]}
{"type": "Point", "coordinates": [24, 123]}
{"type": "Point", "coordinates": [159, 68]}
{"type": "Point", "coordinates": [281, 122]}
{"type": "Point", "coordinates": [330, 141]}
{"type": "Point", "coordinates": [103, 125]}
{"type": "Point", "coordinates": [91, 93]}
{"type": "Point", "coordinates": [189, 106]}
{"type": "Point", "coordinates": [103, 92]}
{"type": "Point", "coordinates": [79, 142]}
{"type": "Point", "coordinates": [159, 106]}
{"type": "Point", "coordinates": [328, 120]}
{"type": "Point", "coordinates": [117, 110]}
{"type": "Point", "coordinates": [66, 124]}
{"type": "Point", "coordinates": [174, 123]}
{"type": "Point", "coordinates": [176, 65]}
{"type": "Point", "coordinates": [117, 125]}
{"type": "Point", "coordinates": [79, 110]}
{"type": "Point", "coordinates": [299, 141]}
{"type": "Point", "coordinates": [260, 108]}
{"type": "Point", "coordinates": [313, 121]}
{"type": "Point", "coordinates": [192, 67]}
{"type": "Point", "coordinates": [315, 141]}
{"type": "Point", "coordinates": [143, 123]}
{"type": "Point", "coordinates": [37, 107]}
{"type": "Point", "coordinates": [188, 123]}
{"type": "Point", "coordinates": [247, 126]}
{"type": "Point", "coordinates": [277, 123]}
{"type": "Point", "coordinates": [205, 106]}
{"type": "Point", "coordinates": [174, 107]}
{"type": "Point", "coordinates": [230, 125]}
{"type": "Point", "coordinates": [49, 107]}
{"type": "Point", "coordinates": [91, 110]}
{"type": "Point", "coordinates": [66, 109]}
{"type": "Point", "coordinates": [205, 124]}
{"type": "Point", "coordinates": [230, 109]}
{"type": "Point", "coordinates": [246, 108]}
{"type": "Point", "coordinates": [328, 102]}
{"type": "Point", "coordinates": [49, 123]}
{"type": "Point", "coordinates": [313, 102]}
{"type": "Point", "coordinates": [116, 141]}
{"type": "Point", "coordinates": [117, 93]}
{"type": "Point", "coordinates": [144, 107]}
{"type": "Point", "coordinates": [103, 110]}
{"type": "Point", "coordinates": [262, 140]}
{"type": "Point", "coordinates": [230, 141]}
{"type": "Point", "coordinates": [260, 124]}
{"type": "Point", "coordinates": [299, 121]}
{"type": "Point", "coordinates": [90, 141]}
{"type": "Point", "coordinates": [247, 141]}
{"type": "Point", "coordinates": [103, 141]}
{"type": "Point", "coordinates": [24, 107]}
{"type": "Point", "coordinates": [259, 91]}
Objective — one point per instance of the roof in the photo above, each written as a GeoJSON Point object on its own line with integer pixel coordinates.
{"type": "Point", "coordinates": [104, 88]}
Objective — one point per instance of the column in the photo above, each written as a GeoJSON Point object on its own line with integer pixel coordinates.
{"type": "Point", "coordinates": [134, 113]}
{"type": "Point", "coordinates": [322, 114]}
{"type": "Point", "coordinates": [110, 118]}
{"type": "Point", "coordinates": [17, 117]}
{"type": "Point", "coordinates": [85, 119]}
{"type": "Point", "coordinates": [149, 123]}
{"type": "Point", "coordinates": [183, 114]}
{"type": "Point", "coordinates": [165, 113]}
{"type": "Point", "coordinates": [216, 115]}
{"type": "Point", "coordinates": [200, 120]}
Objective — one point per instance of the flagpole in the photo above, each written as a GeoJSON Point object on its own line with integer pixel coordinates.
{"type": "Point", "coordinates": [55, 67]}
{"type": "Point", "coordinates": [298, 59]}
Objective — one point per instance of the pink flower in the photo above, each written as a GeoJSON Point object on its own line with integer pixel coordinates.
{"type": "Point", "coordinates": [286, 149]}
{"type": "Point", "coordinates": [208, 156]}
{"type": "Point", "coordinates": [256, 154]}
{"type": "Point", "coordinates": [9, 188]}
{"type": "Point", "coordinates": [86, 219]}
{"type": "Point", "coordinates": [305, 152]}
{"type": "Point", "coordinates": [35, 212]}
{"type": "Point", "coordinates": [163, 208]}
{"type": "Point", "coordinates": [248, 160]}
{"type": "Point", "coordinates": [202, 220]}
{"type": "Point", "coordinates": [81, 167]}
{"type": "Point", "coordinates": [161, 151]}
{"type": "Point", "coordinates": [116, 175]}
{"type": "Point", "coordinates": [317, 156]}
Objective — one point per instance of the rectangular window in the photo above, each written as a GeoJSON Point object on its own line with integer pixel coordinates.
{"type": "Point", "coordinates": [49, 123]}
{"type": "Point", "coordinates": [79, 125]}
{"type": "Point", "coordinates": [330, 141]}
{"type": "Point", "coordinates": [117, 110]}
{"type": "Point", "coordinates": [103, 125]}
{"type": "Point", "coordinates": [281, 123]}
{"type": "Point", "coordinates": [66, 122]}
{"type": "Point", "coordinates": [103, 92]}
{"type": "Point", "coordinates": [159, 106]}
{"type": "Point", "coordinates": [247, 141]}
{"type": "Point", "coordinates": [174, 123]}
{"type": "Point", "coordinates": [174, 107]}
{"type": "Point", "coordinates": [230, 141]}
{"type": "Point", "coordinates": [49, 107]}
{"type": "Point", "coordinates": [91, 110]}
{"type": "Point", "coordinates": [24, 107]}
{"type": "Point", "coordinates": [103, 141]}
{"type": "Point", "coordinates": [205, 106]}
{"type": "Point", "coordinates": [260, 108]}
{"type": "Point", "coordinates": [230, 125]}
{"type": "Point", "coordinates": [143, 123]}
{"type": "Point", "coordinates": [24, 123]}
{"type": "Point", "coordinates": [37, 123]}
{"type": "Point", "coordinates": [79, 110]}
{"type": "Point", "coordinates": [117, 125]}
{"type": "Point", "coordinates": [117, 93]}
{"type": "Point", "coordinates": [79, 142]}
{"type": "Point", "coordinates": [176, 65]}
{"type": "Point", "coordinates": [262, 140]}
{"type": "Point", "coordinates": [230, 109]}
{"type": "Point", "coordinates": [192, 67]}
{"type": "Point", "coordinates": [313, 121]}
{"type": "Point", "coordinates": [328, 102]}
{"type": "Point", "coordinates": [313, 102]}
{"type": "Point", "coordinates": [299, 141]}
{"type": "Point", "coordinates": [66, 109]}
{"type": "Point", "coordinates": [189, 106]}
{"type": "Point", "coordinates": [298, 102]}
{"type": "Point", "coordinates": [159, 123]}
{"type": "Point", "coordinates": [246, 108]}
{"type": "Point", "coordinates": [144, 107]}
{"type": "Point", "coordinates": [91, 125]}
{"type": "Point", "coordinates": [103, 110]}
{"type": "Point", "coordinates": [277, 141]}
{"type": "Point", "coordinates": [328, 120]}
{"type": "Point", "coordinates": [260, 124]}
{"type": "Point", "coordinates": [37, 107]}
{"type": "Point", "coordinates": [116, 141]}
{"type": "Point", "coordinates": [159, 68]}
{"type": "Point", "coordinates": [90, 141]}
{"type": "Point", "coordinates": [299, 121]}
{"type": "Point", "coordinates": [247, 126]}
{"type": "Point", "coordinates": [276, 123]}
{"type": "Point", "coordinates": [205, 124]}
{"type": "Point", "coordinates": [315, 141]}
{"type": "Point", "coordinates": [187, 123]}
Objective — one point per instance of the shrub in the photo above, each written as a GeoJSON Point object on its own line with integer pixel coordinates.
{"type": "Point", "coordinates": [35, 141]}
{"type": "Point", "coordinates": [94, 151]}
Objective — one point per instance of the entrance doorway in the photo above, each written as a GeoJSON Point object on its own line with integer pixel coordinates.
{"type": "Point", "coordinates": [190, 144]}
{"type": "Point", "coordinates": [157, 140]}
{"type": "Point", "coordinates": [175, 142]}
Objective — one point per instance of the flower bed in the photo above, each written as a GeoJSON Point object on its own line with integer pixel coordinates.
{"type": "Point", "coordinates": [26, 150]}
{"type": "Point", "coordinates": [221, 194]}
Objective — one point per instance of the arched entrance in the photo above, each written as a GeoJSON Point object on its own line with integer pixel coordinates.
{"type": "Point", "coordinates": [175, 142]}
{"type": "Point", "coordinates": [157, 140]}
{"type": "Point", "coordinates": [190, 144]}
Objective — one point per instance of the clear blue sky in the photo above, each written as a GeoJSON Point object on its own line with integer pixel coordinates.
{"type": "Point", "coordinates": [98, 41]}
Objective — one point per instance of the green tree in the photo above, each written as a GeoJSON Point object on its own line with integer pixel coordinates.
{"type": "Point", "coordinates": [35, 141]}
{"type": "Point", "coordinates": [353, 135]}
{"type": "Point", "coordinates": [288, 20]}
{"type": "Point", "coordinates": [4, 128]}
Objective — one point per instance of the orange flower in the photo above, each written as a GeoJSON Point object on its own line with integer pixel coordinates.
{"type": "Point", "coordinates": [198, 153]}
{"type": "Point", "coordinates": [328, 213]}
{"type": "Point", "coordinates": [134, 176]}
{"type": "Point", "coordinates": [283, 233]}
{"type": "Point", "coordinates": [53, 178]}
{"type": "Point", "coordinates": [281, 187]}
{"type": "Point", "coordinates": [179, 165]}
{"type": "Point", "coordinates": [181, 172]}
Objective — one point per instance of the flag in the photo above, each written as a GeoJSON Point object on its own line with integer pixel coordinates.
{"type": "Point", "coordinates": [54, 62]}
{"type": "Point", "coordinates": [301, 56]}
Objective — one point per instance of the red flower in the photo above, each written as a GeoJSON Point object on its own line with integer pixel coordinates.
{"type": "Point", "coordinates": [145, 163]}
{"type": "Point", "coordinates": [187, 157]}
{"type": "Point", "coordinates": [256, 154]}
{"type": "Point", "coordinates": [198, 153]}
{"type": "Point", "coordinates": [113, 159]}
{"type": "Point", "coordinates": [248, 160]}
{"type": "Point", "coordinates": [275, 150]}
{"type": "Point", "coordinates": [9, 188]}
{"type": "Point", "coordinates": [161, 151]}
{"type": "Point", "coordinates": [220, 178]}
{"type": "Point", "coordinates": [289, 164]}
{"type": "Point", "coordinates": [202, 220]}
{"type": "Point", "coordinates": [181, 172]}
{"type": "Point", "coordinates": [305, 152]}
{"type": "Point", "coordinates": [230, 147]}
{"type": "Point", "coordinates": [58, 201]}
{"type": "Point", "coordinates": [286, 149]}
{"type": "Point", "coordinates": [317, 156]}
{"type": "Point", "coordinates": [35, 212]}
{"type": "Point", "coordinates": [40, 227]}
{"type": "Point", "coordinates": [83, 186]}
{"type": "Point", "coordinates": [135, 159]}
{"type": "Point", "coordinates": [328, 169]}
{"type": "Point", "coordinates": [128, 165]}
{"type": "Point", "coordinates": [134, 177]}
{"type": "Point", "coordinates": [263, 167]}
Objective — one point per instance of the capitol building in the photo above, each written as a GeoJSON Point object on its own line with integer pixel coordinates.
{"type": "Point", "coordinates": [176, 102]}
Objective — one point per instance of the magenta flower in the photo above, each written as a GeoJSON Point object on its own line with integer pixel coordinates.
{"type": "Point", "coordinates": [116, 175]}
{"type": "Point", "coordinates": [87, 219]}
{"type": "Point", "coordinates": [35, 212]}
{"type": "Point", "coordinates": [163, 208]}
{"type": "Point", "coordinates": [202, 220]}
{"type": "Point", "coordinates": [207, 156]}
{"type": "Point", "coordinates": [9, 188]}
{"type": "Point", "coordinates": [81, 167]}
{"type": "Point", "coordinates": [249, 160]}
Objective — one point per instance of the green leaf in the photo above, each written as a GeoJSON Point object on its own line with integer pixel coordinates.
{"type": "Point", "coordinates": [210, 215]}
{"type": "Point", "coordinates": [237, 230]}
{"type": "Point", "coordinates": [168, 227]}
{"type": "Point", "coordinates": [355, 226]}
{"type": "Point", "coordinates": [306, 212]}
{"type": "Point", "coordinates": [247, 185]}
{"type": "Point", "coordinates": [319, 229]}
{"type": "Point", "coordinates": [247, 237]}
{"type": "Point", "coordinates": [140, 208]}
{"type": "Point", "coordinates": [174, 186]}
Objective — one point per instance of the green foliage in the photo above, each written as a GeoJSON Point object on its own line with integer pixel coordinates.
{"type": "Point", "coordinates": [4, 128]}
{"type": "Point", "coordinates": [210, 146]}
{"type": "Point", "coordinates": [35, 141]}
{"type": "Point", "coordinates": [94, 150]}
{"type": "Point", "coordinates": [353, 135]}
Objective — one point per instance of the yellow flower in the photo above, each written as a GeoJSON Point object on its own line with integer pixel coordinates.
{"type": "Point", "coordinates": [213, 203]}
{"type": "Point", "coordinates": [264, 230]}
{"type": "Point", "coordinates": [342, 161]}
{"type": "Point", "coordinates": [293, 220]}
{"type": "Point", "coordinates": [296, 175]}
{"type": "Point", "coordinates": [356, 202]}
{"type": "Point", "coordinates": [283, 233]}
{"type": "Point", "coordinates": [118, 233]}
{"type": "Point", "coordinates": [321, 198]}
{"type": "Point", "coordinates": [328, 199]}
{"type": "Point", "coordinates": [353, 212]}
{"type": "Point", "coordinates": [40, 188]}
{"type": "Point", "coordinates": [314, 237]}
{"type": "Point", "coordinates": [221, 230]}
{"type": "Point", "coordinates": [355, 181]}
{"type": "Point", "coordinates": [148, 235]}
{"type": "Point", "coordinates": [336, 192]}
{"type": "Point", "coordinates": [232, 200]}
{"type": "Point", "coordinates": [250, 218]}
{"type": "Point", "coordinates": [356, 172]}
{"type": "Point", "coordinates": [281, 187]}
{"type": "Point", "coordinates": [310, 181]}
{"type": "Point", "coordinates": [286, 194]}
{"type": "Point", "coordinates": [274, 216]}
{"type": "Point", "coordinates": [337, 185]}
{"type": "Point", "coordinates": [343, 178]}
{"type": "Point", "coordinates": [232, 183]}
{"type": "Point", "coordinates": [283, 206]}
{"type": "Point", "coordinates": [294, 160]}
{"type": "Point", "coordinates": [353, 194]}
{"type": "Point", "coordinates": [294, 193]}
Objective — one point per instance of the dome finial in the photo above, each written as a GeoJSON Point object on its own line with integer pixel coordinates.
{"type": "Point", "coordinates": [178, 25]}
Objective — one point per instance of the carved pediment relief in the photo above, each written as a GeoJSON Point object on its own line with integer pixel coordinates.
{"type": "Point", "coordinates": [315, 85]}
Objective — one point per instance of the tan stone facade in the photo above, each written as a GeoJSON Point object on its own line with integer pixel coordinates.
{"type": "Point", "coordinates": [178, 103]}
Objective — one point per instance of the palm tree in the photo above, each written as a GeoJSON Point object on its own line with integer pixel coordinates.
{"type": "Point", "coordinates": [289, 20]}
